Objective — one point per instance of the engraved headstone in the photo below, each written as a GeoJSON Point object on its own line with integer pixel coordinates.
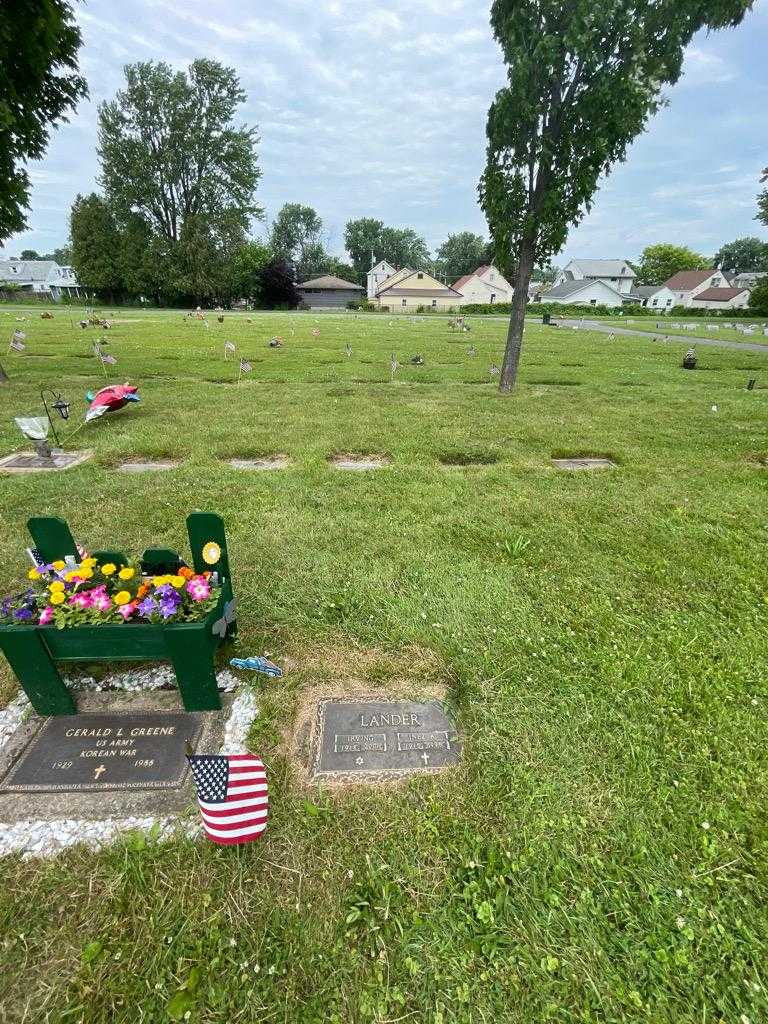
{"type": "Point", "coordinates": [382, 738]}
{"type": "Point", "coordinates": [103, 752]}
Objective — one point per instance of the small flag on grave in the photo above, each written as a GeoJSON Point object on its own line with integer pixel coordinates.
{"type": "Point", "coordinates": [232, 796]}
{"type": "Point", "coordinates": [348, 350]}
{"type": "Point", "coordinates": [17, 341]}
{"type": "Point", "coordinates": [494, 371]}
{"type": "Point", "coordinates": [229, 346]}
{"type": "Point", "coordinates": [105, 357]}
{"type": "Point", "coordinates": [245, 366]}
{"type": "Point", "coordinates": [393, 365]}
{"type": "Point", "coordinates": [315, 332]}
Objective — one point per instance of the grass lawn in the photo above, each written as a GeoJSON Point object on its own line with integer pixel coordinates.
{"type": "Point", "coordinates": [701, 327]}
{"type": "Point", "coordinates": [600, 855]}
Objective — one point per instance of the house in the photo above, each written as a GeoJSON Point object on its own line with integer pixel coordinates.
{"type": "Point", "coordinates": [616, 273]}
{"type": "Point", "coordinates": [40, 277]}
{"type": "Point", "coordinates": [408, 289]}
{"type": "Point", "coordinates": [485, 285]}
{"type": "Point", "coordinates": [720, 298]}
{"type": "Point", "coordinates": [328, 292]}
{"type": "Point", "coordinates": [377, 275]}
{"type": "Point", "coordinates": [654, 296]}
{"type": "Point", "coordinates": [687, 284]}
{"type": "Point", "coordinates": [584, 292]}
{"type": "Point", "coordinates": [747, 279]}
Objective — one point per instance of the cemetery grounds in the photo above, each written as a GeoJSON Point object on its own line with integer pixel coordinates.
{"type": "Point", "coordinates": [600, 853]}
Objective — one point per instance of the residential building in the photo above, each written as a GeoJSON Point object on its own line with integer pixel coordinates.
{"type": "Point", "coordinates": [377, 275]}
{"type": "Point", "coordinates": [687, 284]}
{"type": "Point", "coordinates": [616, 273]}
{"type": "Point", "coordinates": [720, 298]}
{"type": "Point", "coordinates": [584, 292]}
{"type": "Point", "coordinates": [747, 279]}
{"type": "Point", "coordinates": [654, 296]}
{"type": "Point", "coordinates": [484, 285]}
{"type": "Point", "coordinates": [40, 277]}
{"type": "Point", "coordinates": [329, 292]}
{"type": "Point", "coordinates": [408, 289]}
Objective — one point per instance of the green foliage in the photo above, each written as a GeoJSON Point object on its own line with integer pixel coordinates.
{"type": "Point", "coordinates": [461, 254]}
{"type": "Point", "coordinates": [762, 200]}
{"type": "Point", "coordinates": [39, 86]}
{"type": "Point", "coordinates": [29, 254]}
{"type": "Point", "coordinates": [295, 237]}
{"type": "Point", "coordinates": [743, 255]}
{"type": "Point", "coordinates": [366, 237]}
{"type": "Point", "coordinates": [95, 244]}
{"type": "Point", "coordinates": [660, 262]}
{"type": "Point", "coordinates": [205, 257]}
{"type": "Point", "coordinates": [169, 148]}
{"type": "Point", "coordinates": [247, 264]}
{"type": "Point", "coordinates": [582, 82]}
{"type": "Point", "coordinates": [277, 286]}
{"type": "Point", "coordinates": [758, 298]}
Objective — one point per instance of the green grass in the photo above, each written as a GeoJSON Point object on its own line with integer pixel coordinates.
{"type": "Point", "coordinates": [600, 856]}
{"type": "Point", "coordinates": [700, 327]}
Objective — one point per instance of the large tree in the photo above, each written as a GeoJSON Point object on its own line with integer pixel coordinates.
{"type": "Point", "coordinates": [39, 86]}
{"type": "Point", "coordinates": [461, 254]}
{"type": "Point", "coordinates": [367, 238]}
{"type": "Point", "coordinates": [660, 262]}
{"type": "Point", "coordinates": [95, 245]}
{"type": "Point", "coordinates": [170, 149]}
{"type": "Point", "coordinates": [762, 200]}
{"type": "Point", "coordinates": [277, 288]}
{"type": "Point", "coordinates": [743, 255]}
{"type": "Point", "coordinates": [295, 237]}
{"type": "Point", "coordinates": [582, 81]}
{"type": "Point", "coordinates": [206, 257]}
{"type": "Point", "coordinates": [758, 298]}
{"type": "Point", "coordinates": [247, 265]}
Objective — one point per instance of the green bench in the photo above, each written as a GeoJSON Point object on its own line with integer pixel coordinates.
{"type": "Point", "coordinates": [33, 651]}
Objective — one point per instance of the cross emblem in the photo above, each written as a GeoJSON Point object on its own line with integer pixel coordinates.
{"type": "Point", "coordinates": [425, 759]}
{"type": "Point", "coordinates": [98, 771]}
{"type": "Point", "coordinates": [359, 761]}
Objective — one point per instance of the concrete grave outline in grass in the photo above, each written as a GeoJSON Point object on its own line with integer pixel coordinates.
{"type": "Point", "coordinates": [260, 462]}
{"type": "Point", "coordinates": [584, 461]}
{"type": "Point", "coordinates": [31, 462]}
{"type": "Point", "coordinates": [358, 461]}
{"type": "Point", "coordinates": [148, 466]}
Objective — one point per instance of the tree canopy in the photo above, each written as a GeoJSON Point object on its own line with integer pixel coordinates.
{"type": "Point", "coordinates": [39, 85]}
{"type": "Point", "coordinates": [743, 254]}
{"type": "Point", "coordinates": [95, 244]}
{"type": "Point", "coordinates": [169, 148]}
{"type": "Point", "coordinates": [367, 237]}
{"type": "Point", "coordinates": [762, 199]}
{"type": "Point", "coordinates": [461, 254]}
{"type": "Point", "coordinates": [295, 236]}
{"type": "Point", "coordinates": [758, 298]}
{"type": "Point", "coordinates": [660, 262]}
{"type": "Point", "coordinates": [582, 81]}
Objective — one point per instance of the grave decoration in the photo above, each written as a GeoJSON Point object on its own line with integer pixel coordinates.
{"type": "Point", "coordinates": [689, 360]}
{"type": "Point", "coordinates": [276, 342]}
{"type": "Point", "coordinates": [417, 360]}
{"type": "Point", "coordinates": [110, 399]}
{"type": "Point", "coordinates": [258, 664]}
{"type": "Point", "coordinates": [102, 607]}
{"type": "Point", "coordinates": [232, 796]}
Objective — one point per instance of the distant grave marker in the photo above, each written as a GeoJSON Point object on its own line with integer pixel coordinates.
{"type": "Point", "coordinates": [139, 466]}
{"type": "Point", "coordinates": [264, 462]}
{"type": "Point", "coordinates": [32, 462]}
{"type": "Point", "coordinates": [359, 461]}
{"type": "Point", "coordinates": [581, 462]}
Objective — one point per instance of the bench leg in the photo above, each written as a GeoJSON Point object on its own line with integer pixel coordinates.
{"type": "Point", "coordinates": [29, 658]}
{"type": "Point", "coordinates": [191, 655]}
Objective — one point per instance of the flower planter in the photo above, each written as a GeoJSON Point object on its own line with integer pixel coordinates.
{"type": "Point", "coordinates": [33, 651]}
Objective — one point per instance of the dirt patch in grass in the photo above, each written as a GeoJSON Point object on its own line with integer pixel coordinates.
{"type": "Point", "coordinates": [138, 465]}
{"type": "Point", "coordinates": [358, 460]}
{"type": "Point", "coordinates": [276, 461]}
{"type": "Point", "coordinates": [759, 459]}
{"type": "Point", "coordinates": [456, 457]}
{"type": "Point", "coordinates": [583, 460]}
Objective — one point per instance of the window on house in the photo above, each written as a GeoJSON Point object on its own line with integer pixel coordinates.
{"type": "Point", "coordinates": [420, 276]}
{"type": "Point", "coordinates": [655, 301]}
{"type": "Point", "coordinates": [434, 303]}
{"type": "Point", "coordinates": [493, 296]}
{"type": "Point", "coordinates": [404, 301]}
{"type": "Point", "coordinates": [593, 302]}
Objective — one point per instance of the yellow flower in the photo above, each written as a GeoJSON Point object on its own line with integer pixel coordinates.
{"type": "Point", "coordinates": [58, 564]}
{"type": "Point", "coordinates": [74, 575]}
{"type": "Point", "coordinates": [56, 587]}
{"type": "Point", "coordinates": [108, 568]}
{"type": "Point", "coordinates": [127, 573]}
{"type": "Point", "coordinates": [88, 563]}
{"type": "Point", "coordinates": [57, 598]}
{"type": "Point", "coordinates": [33, 574]}
{"type": "Point", "coordinates": [176, 581]}
{"type": "Point", "coordinates": [158, 581]}
{"type": "Point", "coordinates": [84, 574]}
{"type": "Point", "coordinates": [122, 597]}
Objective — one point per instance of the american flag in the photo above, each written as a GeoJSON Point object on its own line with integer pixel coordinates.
{"type": "Point", "coordinates": [232, 795]}
{"type": "Point", "coordinates": [16, 345]}
{"type": "Point", "coordinates": [229, 346]}
{"type": "Point", "coordinates": [245, 366]}
{"type": "Point", "coordinates": [107, 358]}
{"type": "Point", "coordinates": [315, 332]}
{"type": "Point", "coordinates": [19, 336]}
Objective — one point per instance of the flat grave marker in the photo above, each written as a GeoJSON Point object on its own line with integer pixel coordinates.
{"type": "Point", "coordinates": [31, 462]}
{"type": "Point", "coordinates": [264, 462]}
{"type": "Point", "coordinates": [381, 738]}
{"type": "Point", "coordinates": [584, 462]}
{"type": "Point", "coordinates": [75, 753]}
{"type": "Point", "coordinates": [138, 466]}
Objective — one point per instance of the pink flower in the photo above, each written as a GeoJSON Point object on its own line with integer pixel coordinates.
{"type": "Point", "coordinates": [46, 615]}
{"type": "Point", "coordinates": [81, 601]}
{"type": "Point", "coordinates": [100, 601]}
{"type": "Point", "coordinates": [127, 610]}
{"type": "Point", "coordinates": [198, 588]}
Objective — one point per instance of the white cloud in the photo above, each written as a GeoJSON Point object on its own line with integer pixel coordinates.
{"type": "Point", "coordinates": [703, 67]}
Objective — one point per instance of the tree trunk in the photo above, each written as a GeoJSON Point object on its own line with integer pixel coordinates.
{"type": "Point", "coordinates": [521, 280]}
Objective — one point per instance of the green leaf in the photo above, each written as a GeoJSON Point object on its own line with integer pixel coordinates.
{"type": "Point", "coordinates": [179, 1003]}
{"type": "Point", "coordinates": [91, 950]}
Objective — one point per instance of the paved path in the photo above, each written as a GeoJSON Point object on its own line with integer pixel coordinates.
{"type": "Point", "coordinates": [594, 325]}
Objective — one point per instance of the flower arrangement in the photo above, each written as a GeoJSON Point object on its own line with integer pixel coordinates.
{"type": "Point", "coordinates": [91, 594]}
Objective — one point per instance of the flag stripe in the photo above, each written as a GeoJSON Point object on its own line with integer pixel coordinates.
{"type": "Point", "coordinates": [229, 820]}
{"type": "Point", "coordinates": [232, 796]}
{"type": "Point", "coordinates": [231, 833]}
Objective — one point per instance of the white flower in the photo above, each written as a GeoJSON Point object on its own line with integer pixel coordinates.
{"type": "Point", "coordinates": [705, 825]}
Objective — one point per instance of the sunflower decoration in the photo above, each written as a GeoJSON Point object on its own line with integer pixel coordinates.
{"type": "Point", "coordinates": [211, 552]}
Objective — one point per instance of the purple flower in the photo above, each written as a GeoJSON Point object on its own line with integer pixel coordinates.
{"type": "Point", "coordinates": [23, 614]}
{"type": "Point", "coordinates": [147, 607]}
{"type": "Point", "coordinates": [165, 590]}
{"type": "Point", "coordinates": [168, 608]}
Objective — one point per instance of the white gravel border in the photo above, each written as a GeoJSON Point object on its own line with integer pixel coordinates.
{"type": "Point", "coordinates": [35, 838]}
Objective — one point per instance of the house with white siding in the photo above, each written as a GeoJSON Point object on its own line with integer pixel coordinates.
{"type": "Point", "coordinates": [617, 274]}
{"type": "Point", "coordinates": [721, 298]}
{"type": "Point", "coordinates": [406, 290]}
{"type": "Point", "coordinates": [654, 296]}
{"type": "Point", "coordinates": [485, 285]}
{"type": "Point", "coordinates": [687, 284]}
{"type": "Point", "coordinates": [40, 277]}
{"type": "Point", "coordinates": [584, 292]}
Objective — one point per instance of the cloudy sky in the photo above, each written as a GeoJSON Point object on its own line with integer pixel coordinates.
{"type": "Point", "coordinates": [381, 112]}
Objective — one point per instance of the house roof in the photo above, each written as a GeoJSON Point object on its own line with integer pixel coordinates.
{"type": "Point", "coordinates": [687, 280]}
{"type": "Point", "coordinates": [719, 294]}
{"type": "Point", "coordinates": [482, 270]}
{"type": "Point", "coordinates": [458, 285]}
{"type": "Point", "coordinates": [568, 288]}
{"type": "Point", "coordinates": [392, 285]}
{"type": "Point", "coordinates": [604, 268]}
{"type": "Point", "coordinates": [330, 283]}
{"type": "Point", "coordinates": [645, 291]}
{"type": "Point", "coordinates": [26, 270]}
